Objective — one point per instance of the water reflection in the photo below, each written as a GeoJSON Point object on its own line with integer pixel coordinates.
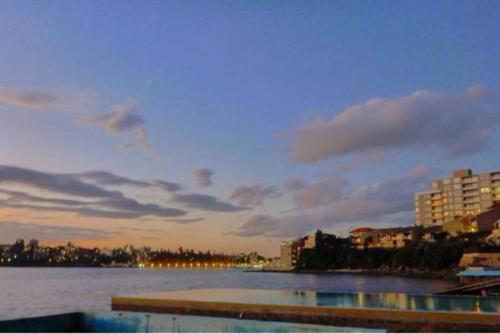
{"type": "Point", "coordinates": [58, 290]}
{"type": "Point", "coordinates": [402, 301]}
{"type": "Point", "coordinates": [396, 301]}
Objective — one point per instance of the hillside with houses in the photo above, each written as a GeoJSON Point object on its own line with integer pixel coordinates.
{"type": "Point", "coordinates": [457, 227]}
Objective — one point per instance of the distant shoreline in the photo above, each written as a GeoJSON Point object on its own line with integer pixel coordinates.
{"type": "Point", "coordinates": [449, 275]}
{"type": "Point", "coordinates": [441, 275]}
{"type": "Point", "coordinates": [124, 267]}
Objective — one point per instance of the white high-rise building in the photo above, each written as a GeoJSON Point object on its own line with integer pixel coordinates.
{"type": "Point", "coordinates": [460, 195]}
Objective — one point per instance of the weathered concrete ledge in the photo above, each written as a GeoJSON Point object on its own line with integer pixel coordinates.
{"type": "Point", "coordinates": [391, 320]}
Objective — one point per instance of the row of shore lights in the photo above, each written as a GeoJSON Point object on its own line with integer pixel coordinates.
{"type": "Point", "coordinates": [186, 265]}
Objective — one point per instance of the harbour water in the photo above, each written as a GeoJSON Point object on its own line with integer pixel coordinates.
{"type": "Point", "coordinates": [41, 291]}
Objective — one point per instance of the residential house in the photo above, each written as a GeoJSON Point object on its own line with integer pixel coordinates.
{"type": "Point", "coordinates": [482, 222]}
{"type": "Point", "coordinates": [480, 259]}
{"type": "Point", "coordinates": [361, 236]}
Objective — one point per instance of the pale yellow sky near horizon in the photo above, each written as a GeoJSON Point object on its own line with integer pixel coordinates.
{"type": "Point", "coordinates": [154, 233]}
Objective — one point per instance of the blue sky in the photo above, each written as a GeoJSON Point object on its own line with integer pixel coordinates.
{"type": "Point", "coordinates": [226, 85]}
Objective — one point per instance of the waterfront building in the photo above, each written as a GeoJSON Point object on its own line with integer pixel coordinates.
{"type": "Point", "coordinates": [290, 250]}
{"type": "Point", "coordinates": [431, 234]}
{"type": "Point", "coordinates": [394, 237]}
{"type": "Point", "coordinates": [106, 251]}
{"type": "Point", "coordinates": [33, 244]}
{"type": "Point", "coordinates": [5, 248]}
{"type": "Point", "coordinates": [480, 259]}
{"type": "Point", "coordinates": [365, 237]}
{"type": "Point", "coordinates": [309, 242]}
{"type": "Point", "coordinates": [482, 222]}
{"type": "Point", "coordinates": [129, 249]}
{"type": "Point", "coordinates": [361, 236]}
{"type": "Point", "coordinates": [287, 256]}
{"type": "Point", "coordinates": [462, 194]}
{"type": "Point", "coordinates": [494, 237]}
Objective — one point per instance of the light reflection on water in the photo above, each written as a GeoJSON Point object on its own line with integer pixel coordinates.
{"type": "Point", "coordinates": [395, 301]}
{"type": "Point", "coordinates": [404, 301]}
{"type": "Point", "coordinates": [39, 291]}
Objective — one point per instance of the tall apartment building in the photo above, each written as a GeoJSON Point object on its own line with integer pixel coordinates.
{"type": "Point", "coordinates": [460, 195]}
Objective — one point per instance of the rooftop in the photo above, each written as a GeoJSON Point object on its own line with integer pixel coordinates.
{"type": "Point", "coordinates": [362, 230]}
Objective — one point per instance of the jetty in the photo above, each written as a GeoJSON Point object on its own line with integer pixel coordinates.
{"type": "Point", "coordinates": [476, 280]}
{"type": "Point", "coordinates": [484, 287]}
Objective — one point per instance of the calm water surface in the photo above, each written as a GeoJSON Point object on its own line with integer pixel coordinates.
{"type": "Point", "coordinates": [40, 291]}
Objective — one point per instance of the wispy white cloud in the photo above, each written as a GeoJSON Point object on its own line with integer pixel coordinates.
{"type": "Point", "coordinates": [44, 101]}
{"type": "Point", "coordinates": [28, 100]}
{"type": "Point", "coordinates": [122, 118]}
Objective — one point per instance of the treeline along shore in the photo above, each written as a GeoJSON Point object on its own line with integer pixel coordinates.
{"type": "Point", "coordinates": [439, 259]}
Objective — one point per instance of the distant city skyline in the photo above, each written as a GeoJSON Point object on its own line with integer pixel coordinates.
{"type": "Point", "coordinates": [232, 125]}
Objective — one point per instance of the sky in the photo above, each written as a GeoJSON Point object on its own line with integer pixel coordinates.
{"type": "Point", "coordinates": [232, 125]}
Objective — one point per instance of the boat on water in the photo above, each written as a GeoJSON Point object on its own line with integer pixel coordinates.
{"type": "Point", "coordinates": [251, 310]}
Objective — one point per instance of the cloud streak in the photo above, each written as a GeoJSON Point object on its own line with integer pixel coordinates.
{"type": "Point", "coordinates": [206, 203]}
{"type": "Point", "coordinates": [120, 208]}
{"type": "Point", "coordinates": [185, 220]}
{"type": "Point", "coordinates": [167, 186]}
{"type": "Point", "coordinates": [110, 179]}
{"type": "Point", "coordinates": [28, 100]}
{"type": "Point", "coordinates": [51, 182]}
{"type": "Point", "coordinates": [254, 195]}
{"type": "Point", "coordinates": [10, 231]}
{"type": "Point", "coordinates": [43, 101]}
{"type": "Point", "coordinates": [93, 201]}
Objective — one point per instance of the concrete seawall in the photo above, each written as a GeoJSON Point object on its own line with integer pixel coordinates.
{"type": "Point", "coordinates": [391, 320]}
